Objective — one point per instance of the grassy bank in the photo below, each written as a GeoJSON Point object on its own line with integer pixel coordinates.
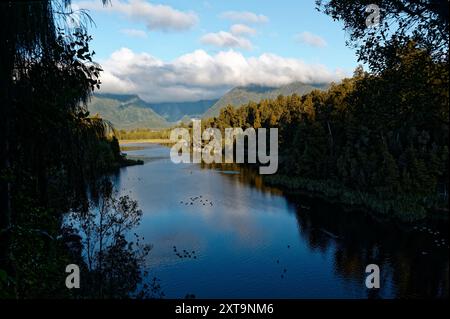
{"type": "Point", "coordinates": [145, 141]}
{"type": "Point", "coordinates": [403, 208]}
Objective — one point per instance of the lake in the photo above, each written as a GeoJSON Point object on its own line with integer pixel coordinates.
{"type": "Point", "coordinates": [234, 237]}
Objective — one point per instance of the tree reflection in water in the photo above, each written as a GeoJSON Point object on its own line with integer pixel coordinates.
{"type": "Point", "coordinates": [359, 240]}
{"type": "Point", "coordinates": [112, 264]}
{"type": "Point", "coordinates": [411, 264]}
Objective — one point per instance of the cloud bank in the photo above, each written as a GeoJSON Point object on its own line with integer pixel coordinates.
{"type": "Point", "coordinates": [155, 16]}
{"type": "Point", "coordinates": [198, 75]}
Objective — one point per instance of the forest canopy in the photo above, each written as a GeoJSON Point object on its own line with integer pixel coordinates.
{"type": "Point", "coordinates": [378, 140]}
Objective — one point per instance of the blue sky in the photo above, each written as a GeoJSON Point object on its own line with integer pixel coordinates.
{"type": "Point", "coordinates": [188, 50]}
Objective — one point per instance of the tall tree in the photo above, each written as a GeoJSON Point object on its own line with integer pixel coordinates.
{"type": "Point", "coordinates": [424, 22]}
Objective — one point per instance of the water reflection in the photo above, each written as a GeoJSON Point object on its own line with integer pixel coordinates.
{"type": "Point", "coordinates": [412, 265]}
{"type": "Point", "coordinates": [256, 242]}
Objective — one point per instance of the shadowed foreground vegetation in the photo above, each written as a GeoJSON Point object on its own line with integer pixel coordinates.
{"type": "Point", "coordinates": [54, 156]}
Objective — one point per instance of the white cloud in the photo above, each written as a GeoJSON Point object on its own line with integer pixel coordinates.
{"type": "Point", "coordinates": [134, 33]}
{"type": "Point", "coordinates": [155, 16]}
{"type": "Point", "coordinates": [242, 29]}
{"type": "Point", "coordinates": [224, 39]}
{"type": "Point", "coordinates": [244, 16]}
{"type": "Point", "coordinates": [198, 75]}
{"type": "Point", "coordinates": [233, 39]}
{"type": "Point", "coordinates": [311, 39]}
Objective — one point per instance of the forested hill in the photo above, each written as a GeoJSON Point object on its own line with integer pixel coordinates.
{"type": "Point", "coordinates": [256, 93]}
{"type": "Point", "coordinates": [178, 111]}
{"type": "Point", "coordinates": [126, 111]}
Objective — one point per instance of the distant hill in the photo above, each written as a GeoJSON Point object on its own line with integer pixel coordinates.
{"type": "Point", "coordinates": [126, 111]}
{"type": "Point", "coordinates": [176, 111]}
{"type": "Point", "coordinates": [256, 93]}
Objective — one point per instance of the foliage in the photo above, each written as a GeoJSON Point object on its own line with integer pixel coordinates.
{"type": "Point", "coordinates": [52, 151]}
{"type": "Point", "coordinates": [401, 21]}
{"type": "Point", "coordinates": [374, 140]}
{"type": "Point", "coordinates": [256, 93]}
{"type": "Point", "coordinates": [142, 133]}
{"type": "Point", "coordinates": [114, 264]}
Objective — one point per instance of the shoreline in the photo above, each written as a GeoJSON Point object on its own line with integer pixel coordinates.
{"type": "Point", "coordinates": [146, 141]}
{"type": "Point", "coordinates": [403, 208]}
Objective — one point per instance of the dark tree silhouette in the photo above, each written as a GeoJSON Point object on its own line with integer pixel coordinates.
{"type": "Point", "coordinates": [52, 151]}
{"type": "Point", "coordinates": [424, 22]}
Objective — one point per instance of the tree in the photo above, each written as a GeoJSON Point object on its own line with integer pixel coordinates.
{"type": "Point", "coordinates": [114, 263]}
{"type": "Point", "coordinates": [401, 21]}
{"type": "Point", "coordinates": [51, 149]}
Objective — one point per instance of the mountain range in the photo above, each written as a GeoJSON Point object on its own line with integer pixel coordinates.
{"type": "Point", "coordinates": [131, 112]}
{"type": "Point", "coordinates": [243, 95]}
{"type": "Point", "coordinates": [126, 111]}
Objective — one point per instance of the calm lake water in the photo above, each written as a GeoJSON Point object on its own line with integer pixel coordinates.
{"type": "Point", "coordinates": [246, 240]}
